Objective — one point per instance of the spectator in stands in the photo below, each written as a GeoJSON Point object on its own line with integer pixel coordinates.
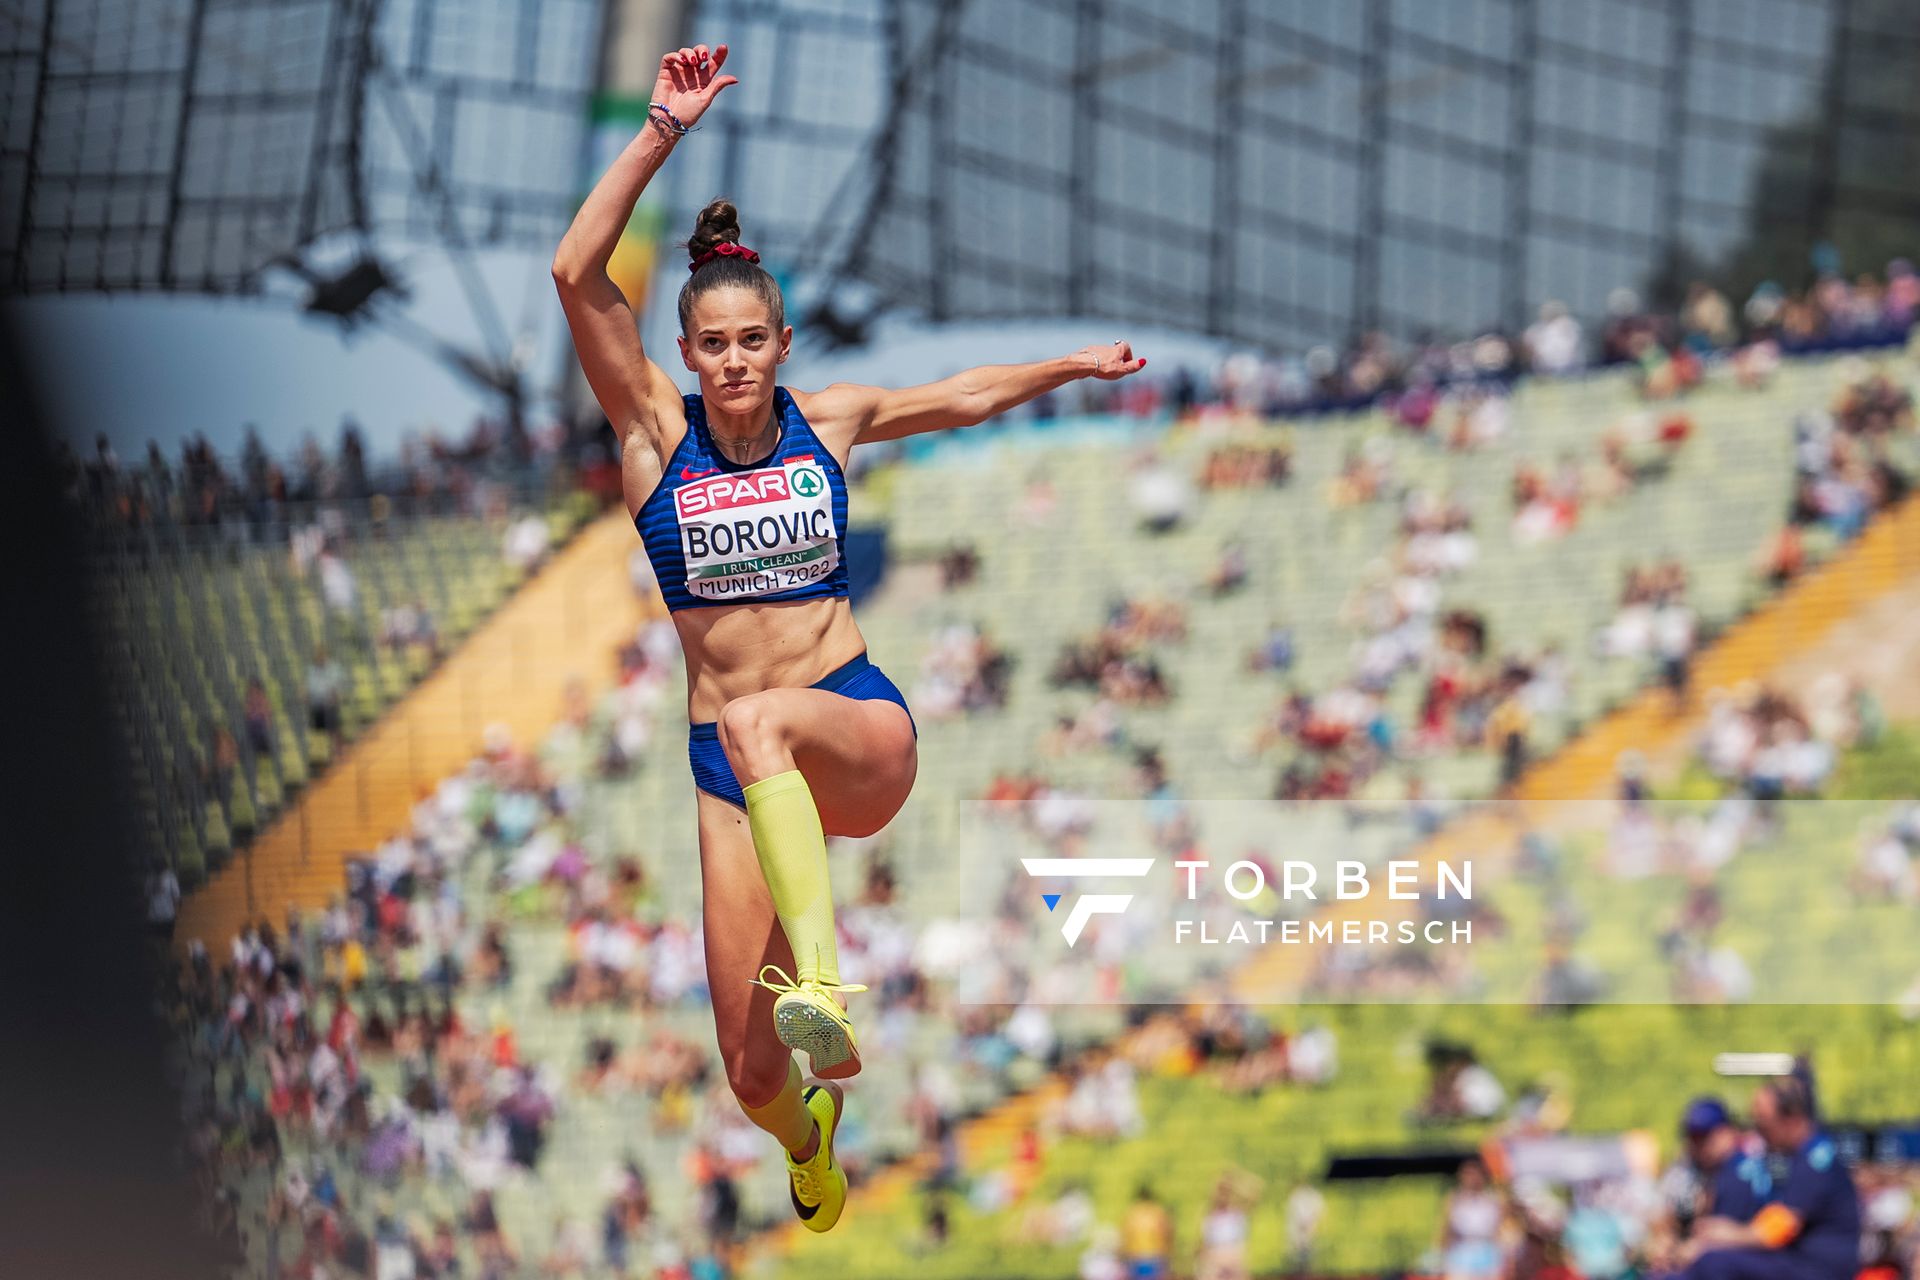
{"type": "Point", "coordinates": [719, 1198]}
{"type": "Point", "coordinates": [1507, 727]}
{"type": "Point", "coordinates": [959, 566]}
{"type": "Point", "coordinates": [1146, 1236]}
{"type": "Point", "coordinates": [1159, 495]}
{"type": "Point", "coordinates": [313, 474]}
{"type": "Point", "coordinates": [103, 471]}
{"type": "Point", "coordinates": [163, 900]}
{"type": "Point", "coordinates": [1229, 574]}
{"type": "Point", "coordinates": [1118, 660]}
{"type": "Point", "coordinates": [1810, 1227]}
{"type": "Point", "coordinates": [964, 671]}
{"type": "Point", "coordinates": [1471, 1224]}
{"type": "Point", "coordinates": [1101, 1260]}
{"type": "Point", "coordinates": [1784, 556]}
{"type": "Point", "coordinates": [1889, 865]}
{"type": "Point", "coordinates": [1223, 1235]}
{"type": "Point", "coordinates": [1891, 1250]}
{"type": "Point", "coordinates": [159, 487]}
{"type": "Point", "coordinates": [338, 586]}
{"type": "Point", "coordinates": [257, 718]}
{"type": "Point", "coordinates": [1706, 319]}
{"type": "Point", "coordinates": [1545, 506]}
{"type": "Point", "coordinates": [1723, 1175]}
{"type": "Point", "coordinates": [326, 685]}
{"type": "Point", "coordinates": [492, 963]}
{"type": "Point", "coordinates": [526, 542]}
{"type": "Point", "coordinates": [1479, 417]}
{"type": "Point", "coordinates": [407, 628]}
{"type": "Point", "coordinates": [1459, 1088]}
{"type": "Point", "coordinates": [1247, 466]}
{"type": "Point", "coordinates": [1366, 475]}
{"type": "Point", "coordinates": [1275, 652]}
{"type": "Point", "coordinates": [1101, 1100]}
{"type": "Point", "coordinates": [1306, 1207]}
{"type": "Point", "coordinates": [1673, 643]}
{"type": "Point", "coordinates": [353, 462]}
{"type": "Point", "coordinates": [526, 1112]}
{"type": "Point", "coordinates": [1553, 341]}
{"type": "Point", "coordinates": [218, 764]}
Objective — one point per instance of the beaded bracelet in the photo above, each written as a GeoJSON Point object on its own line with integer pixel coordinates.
{"type": "Point", "coordinates": [672, 122]}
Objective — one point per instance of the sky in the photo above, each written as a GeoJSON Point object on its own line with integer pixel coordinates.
{"type": "Point", "coordinates": [149, 366]}
{"type": "Point", "coordinates": [152, 367]}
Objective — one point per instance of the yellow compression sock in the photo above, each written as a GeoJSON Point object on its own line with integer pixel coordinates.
{"type": "Point", "coordinates": [793, 856]}
{"type": "Point", "coordinates": [786, 1117]}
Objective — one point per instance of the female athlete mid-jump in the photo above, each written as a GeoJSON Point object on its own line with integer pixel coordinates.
{"type": "Point", "coordinates": [740, 496]}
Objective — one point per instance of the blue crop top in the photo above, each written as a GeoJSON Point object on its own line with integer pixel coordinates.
{"type": "Point", "coordinates": [720, 532]}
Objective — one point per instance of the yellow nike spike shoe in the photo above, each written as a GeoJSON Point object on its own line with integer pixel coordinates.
{"type": "Point", "coordinates": [806, 1017]}
{"type": "Point", "coordinates": [819, 1187]}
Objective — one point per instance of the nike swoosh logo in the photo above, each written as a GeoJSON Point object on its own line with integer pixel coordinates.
{"type": "Point", "coordinates": [805, 1211]}
{"type": "Point", "coordinates": [687, 473]}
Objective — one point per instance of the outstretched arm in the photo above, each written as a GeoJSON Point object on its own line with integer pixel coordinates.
{"type": "Point", "coordinates": [867, 414]}
{"type": "Point", "coordinates": [626, 383]}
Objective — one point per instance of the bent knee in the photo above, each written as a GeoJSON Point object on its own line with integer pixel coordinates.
{"type": "Point", "coordinates": [748, 727]}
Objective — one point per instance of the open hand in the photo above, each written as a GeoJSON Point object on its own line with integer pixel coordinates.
{"type": "Point", "coordinates": [690, 80]}
{"type": "Point", "coordinates": [1115, 360]}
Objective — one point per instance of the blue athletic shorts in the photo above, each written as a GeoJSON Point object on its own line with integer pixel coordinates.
{"type": "Point", "coordinates": [713, 773]}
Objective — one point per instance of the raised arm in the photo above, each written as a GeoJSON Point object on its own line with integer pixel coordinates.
{"type": "Point", "coordinates": [865, 414]}
{"type": "Point", "coordinates": [627, 384]}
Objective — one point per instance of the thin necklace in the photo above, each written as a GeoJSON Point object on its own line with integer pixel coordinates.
{"type": "Point", "coordinates": [752, 445]}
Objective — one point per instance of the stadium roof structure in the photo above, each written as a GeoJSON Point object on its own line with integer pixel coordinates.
{"type": "Point", "coordinates": [1287, 172]}
{"type": "Point", "coordinates": [256, 146]}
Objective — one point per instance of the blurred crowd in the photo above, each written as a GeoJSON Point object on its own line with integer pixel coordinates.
{"type": "Point", "coordinates": [375, 1050]}
{"type": "Point", "coordinates": [1834, 314]}
{"type": "Point", "coordinates": [1239, 1049]}
{"type": "Point", "coordinates": [360, 1053]}
{"type": "Point", "coordinates": [1771, 1196]}
{"type": "Point", "coordinates": [1543, 1198]}
{"type": "Point", "coordinates": [496, 464]}
{"type": "Point", "coordinates": [1118, 661]}
{"type": "Point", "coordinates": [964, 670]}
{"type": "Point", "coordinates": [1841, 455]}
{"type": "Point", "coordinates": [1669, 348]}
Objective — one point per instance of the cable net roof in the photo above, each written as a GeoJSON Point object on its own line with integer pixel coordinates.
{"type": "Point", "coordinates": [190, 144]}
{"type": "Point", "coordinates": [1288, 171]}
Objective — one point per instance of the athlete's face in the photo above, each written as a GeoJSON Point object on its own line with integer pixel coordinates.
{"type": "Point", "coordinates": [733, 346]}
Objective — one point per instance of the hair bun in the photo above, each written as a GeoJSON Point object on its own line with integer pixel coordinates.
{"type": "Point", "coordinates": [718, 223]}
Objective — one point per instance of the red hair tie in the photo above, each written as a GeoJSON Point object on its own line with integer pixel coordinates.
{"type": "Point", "coordinates": [725, 249]}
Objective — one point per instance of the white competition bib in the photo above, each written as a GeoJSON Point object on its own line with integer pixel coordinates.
{"type": "Point", "coordinates": [749, 533]}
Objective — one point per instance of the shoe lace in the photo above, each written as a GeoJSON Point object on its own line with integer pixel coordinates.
{"type": "Point", "coordinates": [805, 1183]}
{"type": "Point", "coordinates": [784, 984]}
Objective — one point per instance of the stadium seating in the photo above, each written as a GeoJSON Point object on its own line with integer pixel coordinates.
{"type": "Point", "coordinates": [1037, 588]}
{"type": "Point", "coordinates": [1620, 1068]}
{"type": "Point", "coordinates": [191, 615]}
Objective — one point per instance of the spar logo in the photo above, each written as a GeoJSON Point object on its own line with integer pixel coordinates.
{"type": "Point", "coordinates": [749, 489]}
{"type": "Point", "coordinates": [1087, 905]}
{"type": "Point", "coordinates": [807, 482]}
